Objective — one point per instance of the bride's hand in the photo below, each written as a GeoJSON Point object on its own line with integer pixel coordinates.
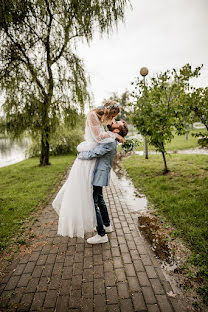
{"type": "Point", "coordinates": [120, 138]}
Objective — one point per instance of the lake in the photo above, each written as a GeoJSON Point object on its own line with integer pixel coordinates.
{"type": "Point", "coordinates": [12, 152]}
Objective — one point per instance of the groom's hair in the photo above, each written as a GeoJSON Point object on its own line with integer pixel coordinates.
{"type": "Point", "coordinates": [123, 129]}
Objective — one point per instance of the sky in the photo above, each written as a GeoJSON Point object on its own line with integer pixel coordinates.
{"type": "Point", "coordinates": [158, 34]}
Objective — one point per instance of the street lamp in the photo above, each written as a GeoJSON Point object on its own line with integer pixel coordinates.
{"type": "Point", "coordinates": [144, 72]}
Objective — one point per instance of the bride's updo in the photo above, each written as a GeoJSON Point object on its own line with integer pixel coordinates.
{"type": "Point", "coordinates": [107, 110]}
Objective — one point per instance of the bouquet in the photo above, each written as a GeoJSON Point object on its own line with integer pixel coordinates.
{"type": "Point", "coordinates": [130, 144]}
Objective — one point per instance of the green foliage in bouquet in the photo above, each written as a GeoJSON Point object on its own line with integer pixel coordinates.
{"type": "Point", "coordinates": [130, 144]}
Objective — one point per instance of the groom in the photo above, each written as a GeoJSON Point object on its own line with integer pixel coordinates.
{"type": "Point", "coordinates": [104, 153]}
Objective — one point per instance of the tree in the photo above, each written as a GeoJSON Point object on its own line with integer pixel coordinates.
{"type": "Point", "coordinates": [42, 77]}
{"type": "Point", "coordinates": [124, 101]}
{"type": "Point", "coordinates": [159, 107]}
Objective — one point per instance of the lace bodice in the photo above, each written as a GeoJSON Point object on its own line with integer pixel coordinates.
{"type": "Point", "coordinates": [94, 130]}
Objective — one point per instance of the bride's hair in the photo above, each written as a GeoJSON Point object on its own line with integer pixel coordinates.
{"type": "Point", "coordinates": [107, 110]}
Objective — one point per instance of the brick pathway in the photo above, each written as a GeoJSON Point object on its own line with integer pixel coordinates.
{"type": "Point", "coordinates": [63, 274]}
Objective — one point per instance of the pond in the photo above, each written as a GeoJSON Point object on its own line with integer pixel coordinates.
{"type": "Point", "coordinates": [12, 152]}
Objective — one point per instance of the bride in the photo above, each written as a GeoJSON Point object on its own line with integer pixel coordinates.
{"type": "Point", "coordinates": [74, 202]}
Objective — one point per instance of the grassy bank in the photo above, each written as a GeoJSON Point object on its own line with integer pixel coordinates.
{"type": "Point", "coordinates": [180, 196]}
{"type": "Point", "coordinates": [179, 142]}
{"type": "Point", "coordinates": [24, 187]}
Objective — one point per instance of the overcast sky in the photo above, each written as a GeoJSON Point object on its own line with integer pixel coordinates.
{"type": "Point", "coordinates": [159, 34]}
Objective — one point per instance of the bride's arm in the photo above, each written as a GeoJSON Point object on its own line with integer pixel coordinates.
{"type": "Point", "coordinates": [97, 133]}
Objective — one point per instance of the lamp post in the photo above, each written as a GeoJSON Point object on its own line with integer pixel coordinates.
{"type": "Point", "coordinates": [144, 72]}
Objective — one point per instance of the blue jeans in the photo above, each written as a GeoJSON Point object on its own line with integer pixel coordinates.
{"type": "Point", "coordinates": [101, 210]}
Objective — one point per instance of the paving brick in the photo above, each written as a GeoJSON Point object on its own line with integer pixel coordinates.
{"type": "Point", "coordinates": [108, 266]}
{"type": "Point", "coordinates": [120, 275]}
{"type": "Point", "coordinates": [157, 287]}
{"type": "Point", "coordinates": [24, 279]}
{"type": "Point", "coordinates": [117, 262]}
{"type": "Point", "coordinates": [19, 269]}
{"type": "Point", "coordinates": [146, 260]}
{"type": "Point", "coordinates": [34, 256]}
{"type": "Point", "coordinates": [55, 282]}
{"type": "Point", "coordinates": [41, 260]}
{"type": "Point", "coordinates": [87, 290]}
{"type": "Point", "coordinates": [16, 296]}
{"type": "Point", "coordinates": [113, 308]}
{"type": "Point", "coordinates": [151, 271]}
{"type": "Point", "coordinates": [62, 303]}
{"type": "Point", "coordinates": [107, 255]}
{"type": "Point", "coordinates": [154, 308]}
{"type": "Point", "coordinates": [68, 260]}
{"type": "Point", "coordinates": [74, 299]}
{"type": "Point", "coordinates": [138, 302]}
{"type": "Point", "coordinates": [51, 258]}
{"type": "Point", "coordinates": [26, 302]}
{"type": "Point", "coordinates": [112, 295]}
{"type": "Point", "coordinates": [88, 262]}
{"type": "Point", "coordinates": [126, 258]}
{"type": "Point", "coordinates": [78, 257]}
{"type": "Point", "coordinates": [57, 268]}
{"type": "Point", "coordinates": [29, 267]}
{"type": "Point", "coordinates": [126, 305]}
{"type": "Point", "coordinates": [143, 279]}
{"type": "Point", "coordinates": [38, 300]}
{"type": "Point", "coordinates": [43, 284]}
{"type": "Point", "coordinates": [110, 279]}
{"type": "Point", "coordinates": [12, 283]}
{"type": "Point", "coordinates": [77, 268]}
{"type": "Point", "coordinates": [50, 299]}
{"type": "Point", "coordinates": [133, 284]}
{"type": "Point", "coordinates": [100, 303]}
{"type": "Point", "coordinates": [76, 282]}
{"type": "Point", "coordinates": [88, 275]}
{"type": "Point", "coordinates": [65, 287]}
{"type": "Point", "coordinates": [37, 271]}
{"type": "Point", "coordinates": [99, 286]}
{"type": "Point", "coordinates": [67, 272]}
{"type": "Point", "coordinates": [130, 271]}
{"type": "Point", "coordinates": [47, 270]}
{"type": "Point", "coordinates": [86, 305]}
{"type": "Point", "coordinates": [32, 285]}
{"type": "Point", "coordinates": [148, 295]}
{"type": "Point", "coordinates": [163, 303]}
{"type": "Point", "coordinates": [97, 259]}
{"type": "Point", "coordinates": [123, 290]}
{"type": "Point", "coordinates": [124, 248]}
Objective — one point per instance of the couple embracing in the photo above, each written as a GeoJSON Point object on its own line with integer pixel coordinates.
{"type": "Point", "coordinates": [79, 203]}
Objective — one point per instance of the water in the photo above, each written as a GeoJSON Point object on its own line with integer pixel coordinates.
{"type": "Point", "coordinates": [201, 151]}
{"type": "Point", "coordinates": [12, 152]}
{"type": "Point", "coordinates": [135, 200]}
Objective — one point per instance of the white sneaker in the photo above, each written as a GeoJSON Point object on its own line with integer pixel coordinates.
{"type": "Point", "coordinates": [97, 239]}
{"type": "Point", "coordinates": [108, 229]}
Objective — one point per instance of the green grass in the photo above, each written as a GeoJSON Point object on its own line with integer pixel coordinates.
{"type": "Point", "coordinates": [179, 142]}
{"type": "Point", "coordinates": [180, 196]}
{"type": "Point", "coordinates": [23, 188]}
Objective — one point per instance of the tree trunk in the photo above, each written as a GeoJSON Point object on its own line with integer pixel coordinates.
{"type": "Point", "coordinates": [165, 164]}
{"type": "Point", "coordinates": [44, 156]}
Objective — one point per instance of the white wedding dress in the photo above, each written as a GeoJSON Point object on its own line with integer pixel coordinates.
{"type": "Point", "coordinates": [74, 201]}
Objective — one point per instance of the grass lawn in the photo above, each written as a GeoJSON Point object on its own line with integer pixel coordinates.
{"type": "Point", "coordinates": [23, 188]}
{"type": "Point", "coordinates": [179, 142]}
{"type": "Point", "coordinates": [180, 196]}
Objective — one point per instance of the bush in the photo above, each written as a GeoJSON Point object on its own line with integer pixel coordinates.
{"type": "Point", "coordinates": [63, 141]}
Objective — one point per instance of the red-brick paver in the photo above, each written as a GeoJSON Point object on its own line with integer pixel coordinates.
{"type": "Point", "coordinates": [63, 274]}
